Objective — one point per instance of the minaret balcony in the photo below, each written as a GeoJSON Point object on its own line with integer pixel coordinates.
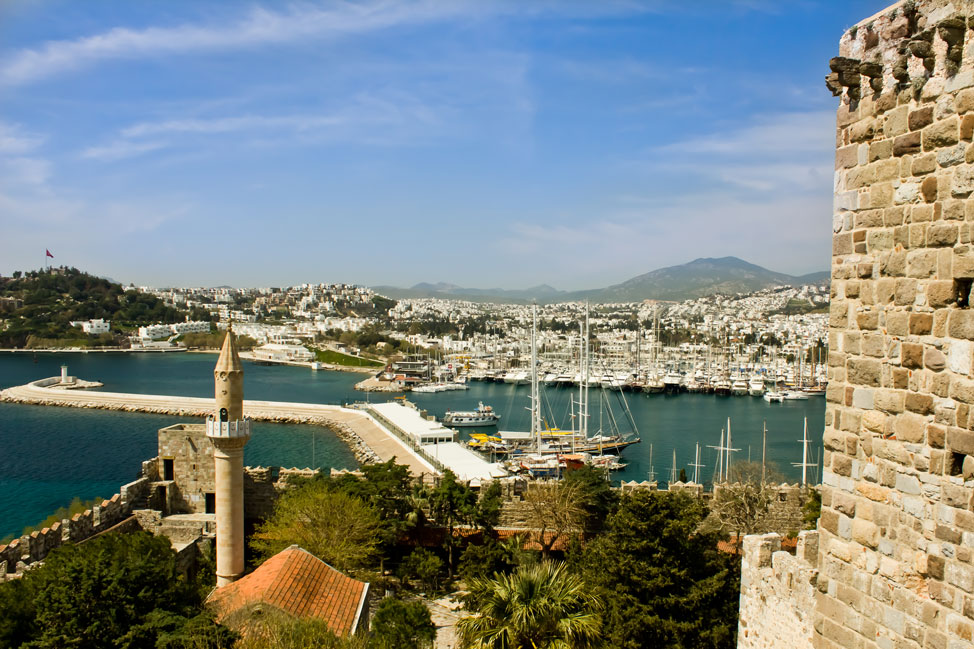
{"type": "Point", "coordinates": [238, 430]}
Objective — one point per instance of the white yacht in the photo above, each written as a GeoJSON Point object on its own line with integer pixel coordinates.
{"type": "Point", "coordinates": [755, 387]}
{"type": "Point", "coordinates": [482, 416]}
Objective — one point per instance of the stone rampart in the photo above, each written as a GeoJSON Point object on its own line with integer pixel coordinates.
{"type": "Point", "coordinates": [896, 534]}
{"type": "Point", "coordinates": [264, 485]}
{"type": "Point", "coordinates": [30, 548]}
{"type": "Point", "coordinates": [778, 593]}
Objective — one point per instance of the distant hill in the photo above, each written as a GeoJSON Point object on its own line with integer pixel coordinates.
{"type": "Point", "coordinates": [37, 308]}
{"type": "Point", "coordinates": [442, 290]}
{"type": "Point", "coordinates": [698, 278]}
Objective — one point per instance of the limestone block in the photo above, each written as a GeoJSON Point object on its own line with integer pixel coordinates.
{"type": "Point", "coordinates": [962, 183]}
{"type": "Point", "coordinates": [920, 118]}
{"type": "Point", "coordinates": [883, 149]}
{"type": "Point", "coordinates": [911, 355]}
{"type": "Point", "coordinates": [964, 101]}
{"type": "Point", "coordinates": [960, 324]}
{"type": "Point", "coordinates": [889, 401]}
{"type": "Point", "coordinates": [959, 357]}
{"type": "Point", "coordinates": [923, 164]}
{"type": "Point", "coordinates": [942, 234]}
{"type": "Point", "coordinates": [940, 293]}
{"type": "Point", "coordinates": [940, 134]}
{"type": "Point", "coordinates": [865, 533]}
{"type": "Point", "coordinates": [954, 155]}
{"type": "Point", "coordinates": [896, 123]}
{"type": "Point", "coordinates": [960, 440]}
{"type": "Point", "coordinates": [907, 144]}
{"type": "Point", "coordinates": [909, 427]}
{"type": "Point", "coordinates": [897, 322]}
{"type": "Point", "coordinates": [866, 372]}
{"type": "Point", "coordinates": [934, 359]}
{"type": "Point", "coordinates": [907, 193]}
{"type": "Point", "coordinates": [966, 128]}
{"type": "Point", "coordinates": [846, 157]}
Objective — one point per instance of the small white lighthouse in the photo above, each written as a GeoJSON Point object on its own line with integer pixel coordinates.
{"type": "Point", "coordinates": [229, 432]}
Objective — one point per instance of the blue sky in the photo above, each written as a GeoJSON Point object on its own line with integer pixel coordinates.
{"type": "Point", "coordinates": [488, 144]}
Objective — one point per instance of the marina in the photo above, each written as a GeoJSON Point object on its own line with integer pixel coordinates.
{"type": "Point", "coordinates": [88, 453]}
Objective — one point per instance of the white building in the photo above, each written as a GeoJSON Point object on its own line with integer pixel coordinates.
{"type": "Point", "coordinates": [96, 326]}
{"type": "Point", "coordinates": [155, 332]}
{"type": "Point", "coordinates": [279, 352]}
{"type": "Point", "coordinates": [190, 327]}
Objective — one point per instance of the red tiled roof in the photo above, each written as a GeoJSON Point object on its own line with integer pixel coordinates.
{"type": "Point", "coordinates": [300, 584]}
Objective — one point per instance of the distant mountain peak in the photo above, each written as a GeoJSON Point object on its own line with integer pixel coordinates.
{"type": "Point", "coordinates": [698, 278]}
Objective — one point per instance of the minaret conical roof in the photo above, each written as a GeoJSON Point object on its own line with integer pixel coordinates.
{"type": "Point", "coordinates": [229, 360]}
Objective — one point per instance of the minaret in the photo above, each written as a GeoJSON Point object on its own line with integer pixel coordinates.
{"type": "Point", "coordinates": [229, 432]}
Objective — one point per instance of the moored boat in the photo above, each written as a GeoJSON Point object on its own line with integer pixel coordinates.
{"type": "Point", "coordinates": [482, 416]}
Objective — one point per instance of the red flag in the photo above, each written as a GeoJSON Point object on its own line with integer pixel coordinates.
{"type": "Point", "coordinates": [48, 253]}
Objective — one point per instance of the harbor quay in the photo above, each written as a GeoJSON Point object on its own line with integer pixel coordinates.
{"type": "Point", "coordinates": [369, 440]}
{"type": "Point", "coordinates": [374, 432]}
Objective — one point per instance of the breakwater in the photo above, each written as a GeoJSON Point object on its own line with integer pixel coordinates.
{"type": "Point", "coordinates": [367, 439]}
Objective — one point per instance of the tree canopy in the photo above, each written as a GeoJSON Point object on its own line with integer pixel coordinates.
{"type": "Point", "coordinates": [663, 580]}
{"type": "Point", "coordinates": [116, 590]}
{"type": "Point", "coordinates": [340, 529]}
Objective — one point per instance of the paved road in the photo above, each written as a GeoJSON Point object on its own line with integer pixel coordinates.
{"type": "Point", "coordinates": [382, 442]}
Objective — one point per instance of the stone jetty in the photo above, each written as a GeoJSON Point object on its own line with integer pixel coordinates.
{"type": "Point", "coordinates": [367, 438]}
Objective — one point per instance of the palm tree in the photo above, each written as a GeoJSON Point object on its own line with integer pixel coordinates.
{"type": "Point", "coordinates": [537, 607]}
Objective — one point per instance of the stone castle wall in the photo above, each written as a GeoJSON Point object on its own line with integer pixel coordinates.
{"type": "Point", "coordinates": [30, 548]}
{"type": "Point", "coordinates": [896, 535]}
{"type": "Point", "coordinates": [778, 592]}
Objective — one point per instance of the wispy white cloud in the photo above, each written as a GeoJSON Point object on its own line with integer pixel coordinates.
{"type": "Point", "coordinates": [25, 171]}
{"type": "Point", "coordinates": [121, 149]}
{"type": "Point", "coordinates": [14, 140]}
{"type": "Point", "coordinates": [258, 27]}
{"type": "Point", "coordinates": [780, 133]}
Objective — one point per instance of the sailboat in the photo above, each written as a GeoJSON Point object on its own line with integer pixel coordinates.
{"type": "Point", "coordinates": [534, 447]}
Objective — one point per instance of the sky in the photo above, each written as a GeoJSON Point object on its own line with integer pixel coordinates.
{"type": "Point", "coordinates": [477, 142]}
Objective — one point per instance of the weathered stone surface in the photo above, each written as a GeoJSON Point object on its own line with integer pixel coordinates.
{"type": "Point", "coordinates": [907, 144]}
{"type": "Point", "coordinates": [963, 181]}
{"type": "Point", "coordinates": [942, 133]}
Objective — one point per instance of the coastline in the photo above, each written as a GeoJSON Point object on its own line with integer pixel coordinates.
{"type": "Point", "coordinates": [247, 356]}
{"type": "Point", "coordinates": [368, 440]}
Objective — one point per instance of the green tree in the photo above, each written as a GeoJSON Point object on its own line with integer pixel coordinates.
{"type": "Point", "coordinates": [812, 509]}
{"type": "Point", "coordinates": [340, 529]}
{"type": "Point", "coordinates": [491, 556]}
{"type": "Point", "coordinates": [117, 590]}
{"type": "Point", "coordinates": [542, 606]}
{"type": "Point", "coordinates": [398, 624]}
{"type": "Point", "coordinates": [595, 495]}
{"type": "Point", "coordinates": [423, 565]}
{"type": "Point", "coordinates": [663, 580]}
{"type": "Point", "coordinates": [453, 503]}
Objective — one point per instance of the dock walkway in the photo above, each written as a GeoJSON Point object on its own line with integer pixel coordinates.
{"type": "Point", "coordinates": [381, 441]}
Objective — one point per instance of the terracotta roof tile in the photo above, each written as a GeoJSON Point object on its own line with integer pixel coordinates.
{"type": "Point", "coordinates": [300, 584]}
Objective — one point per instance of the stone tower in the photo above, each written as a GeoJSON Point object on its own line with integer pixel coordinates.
{"type": "Point", "coordinates": [229, 432]}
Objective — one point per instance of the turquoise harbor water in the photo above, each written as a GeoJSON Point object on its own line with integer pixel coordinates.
{"type": "Point", "coordinates": [49, 455]}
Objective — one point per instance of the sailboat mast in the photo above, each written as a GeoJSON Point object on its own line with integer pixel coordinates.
{"type": "Point", "coordinates": [535, 410]}
{"type": "Point", "coordinates": [805, 452]}
{"type": "Point", "coordinates": [764, 449]}
{"type": "Point", "coordinates": [729, 449]}
{"type": "Point", "coordinates": [588, 369]}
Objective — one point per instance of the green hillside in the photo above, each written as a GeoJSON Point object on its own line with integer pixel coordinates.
{"type": "Point", "coordinates": [37, 307]}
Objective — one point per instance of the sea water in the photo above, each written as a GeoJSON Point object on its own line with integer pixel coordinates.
{"type": "Point", "coordinates": [49, 455]}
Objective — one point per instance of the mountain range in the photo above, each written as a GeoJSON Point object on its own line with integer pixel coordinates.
{"type": "Point", "coordinates": [698, 278]}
